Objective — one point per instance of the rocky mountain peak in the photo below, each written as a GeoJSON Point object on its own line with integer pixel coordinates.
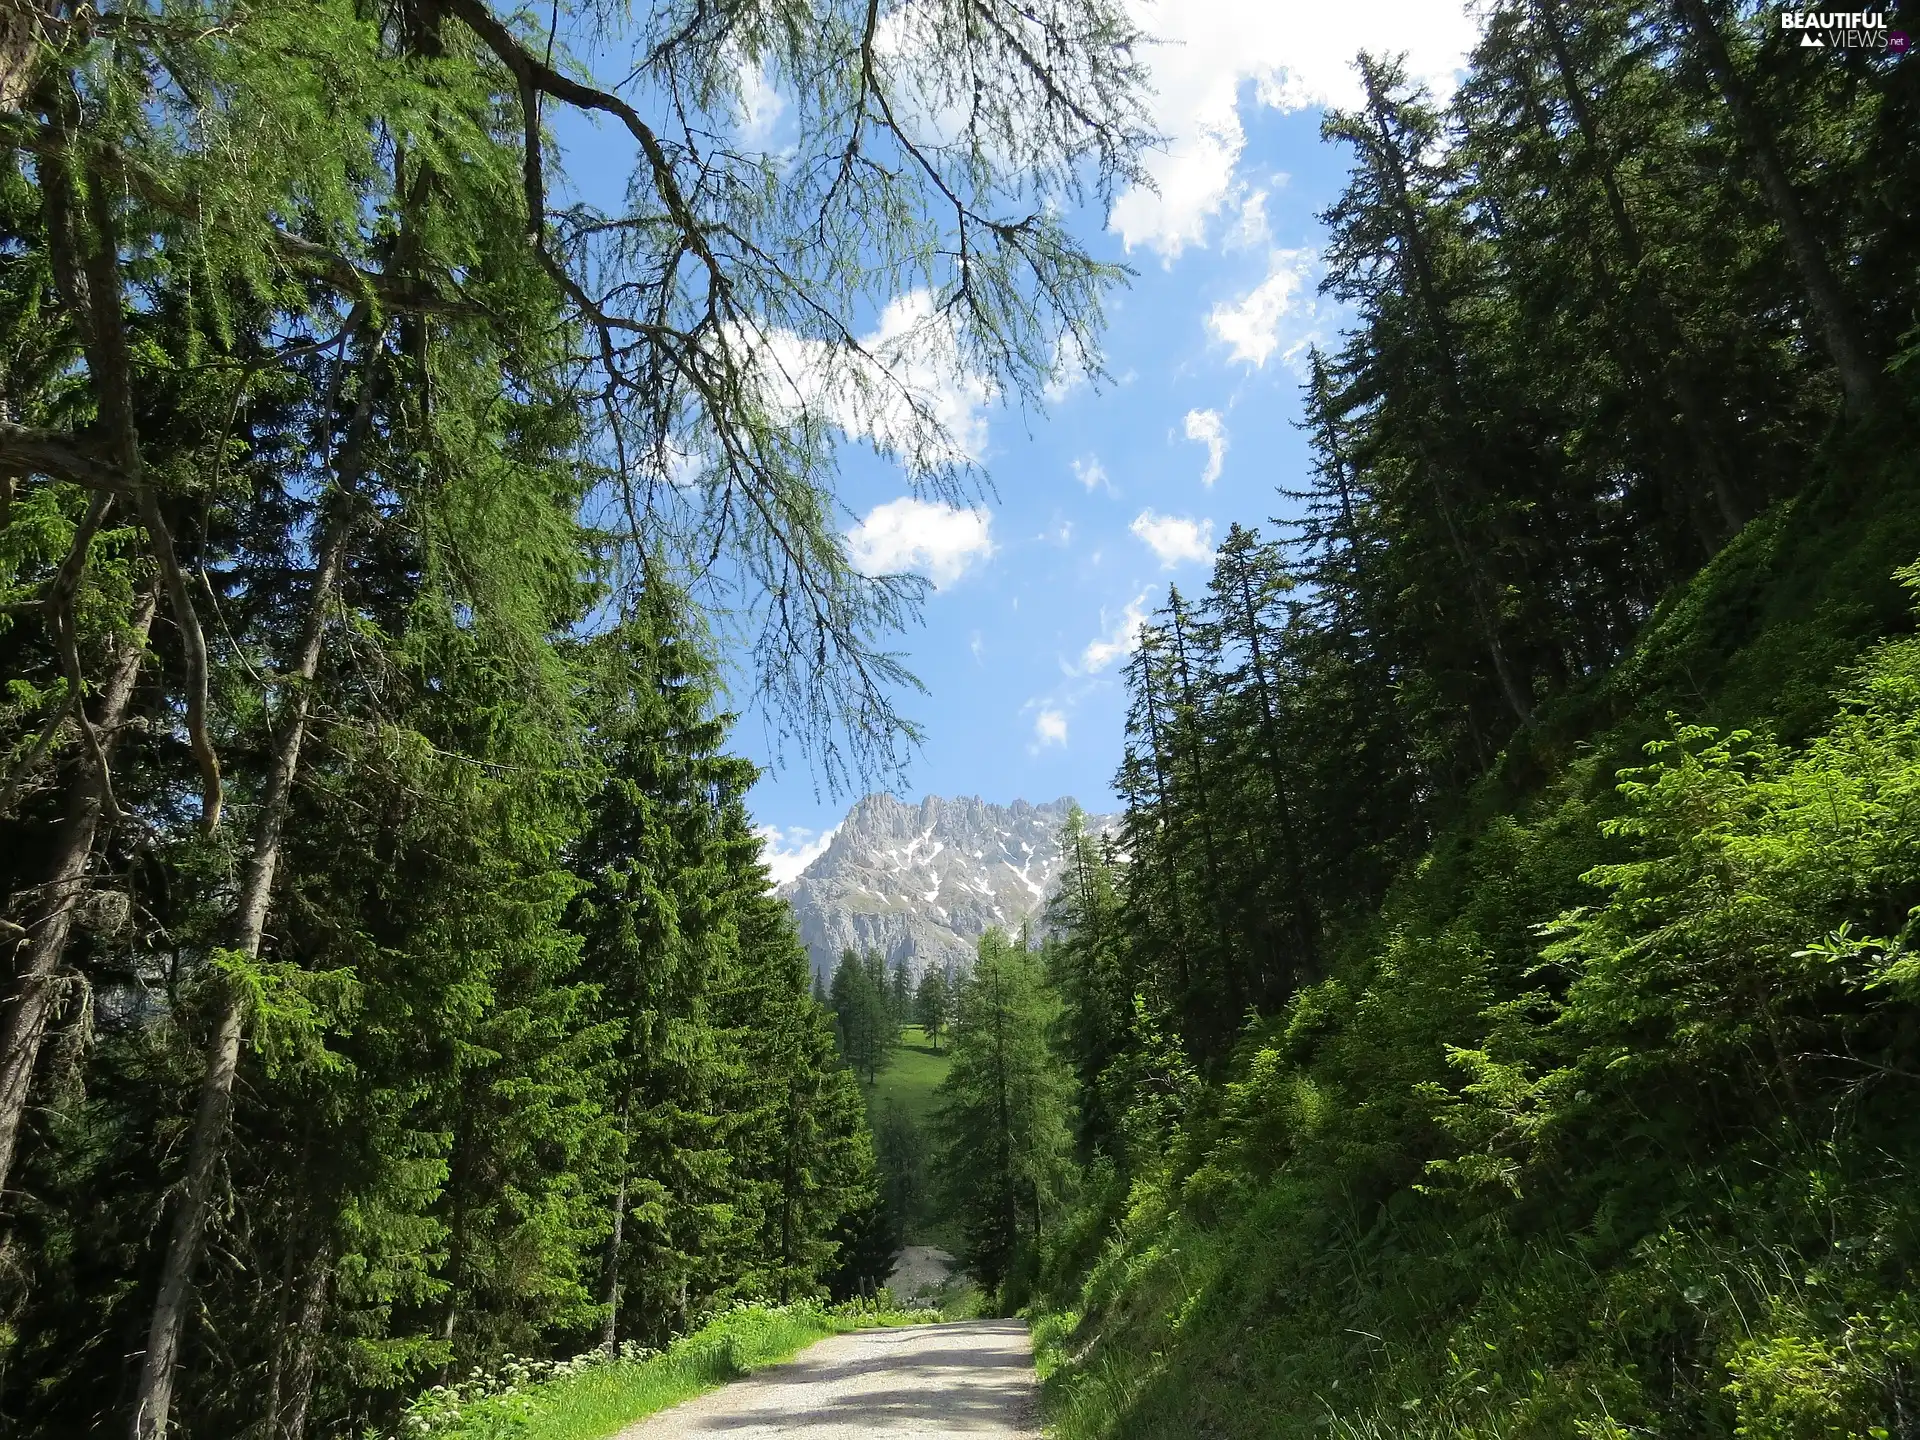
{"type": "Point", "coordinates": [921, 883]}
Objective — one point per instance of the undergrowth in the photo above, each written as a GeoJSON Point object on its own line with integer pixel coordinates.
{"type": "Point", "coordinates": [595, 1394]}
{"type": "Point", "coordinates": [1608, 1123]}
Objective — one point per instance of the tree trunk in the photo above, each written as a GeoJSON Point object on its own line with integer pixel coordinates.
{"type": "Point", "coordinates": [215, 1107]}
{"type": "Point", "coordinates": [1305, 915]}
{"type": "Point", "coordinates": [1164, 804]}
{"type": "Point", "coordinates": [1517, 698]}
{"type": "Point", "coordinates": [288, 1418]}
{"type": "Point", "coordinates": [24, 1024]}
{"type": "Point", "coordinates": [1859, 375]}
{"type": "Point", "coordinates": [1673, 364]}
{"type": "Point", "coordinates": [1208, 845]}
{"type": "Point", "coordinates": [1230, 978]}
{"type": "Point", "coordinates": [110, 378]}
{"type": "Point", "coordinates": [1413, 242]}
{"type": "Point", "coordinates": [609, 1337]}
{"type": "Point", "coordinates": [19, 35]}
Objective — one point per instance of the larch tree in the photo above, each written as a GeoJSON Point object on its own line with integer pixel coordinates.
{"type": "Point", "coordinates": [1001, 1117]}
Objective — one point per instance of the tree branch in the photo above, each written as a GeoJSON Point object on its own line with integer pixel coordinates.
{"type": "Point", "coordinates": [61, 454]}
{"type": "Point", "coordinates": [543, 78]}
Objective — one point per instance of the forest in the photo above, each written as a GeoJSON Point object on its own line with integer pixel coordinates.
{"type": "Point", "coordinates": [1497, 1015]}
{"type": "Point", "coordinates": [394, 520]}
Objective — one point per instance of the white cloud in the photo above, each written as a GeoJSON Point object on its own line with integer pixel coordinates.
{"type": "Point", "coordinates": [1090, 473]}
{"type": "Point", "coordinates": [904, 388]}
{"type": "Point", "coordinates": [1120, 637]}
{"type": "Point", "coordinates": [940, 541]}
{"type": "Point", "coordinates": [1174, 538]}
{"type": "Point", "coordinates": [761, 106]}
{"type": "Point", "coordinates": [1250, 229]}
{"type": "Point", "coordinates": [787, 852]}
{"type": "Point", "coordinates": [1296, 53]}
{"type": "Point", "coordinates": [1050, 727]}
{"type": "Point", "coordinates": [1210, 430]}
{"type": "Point", "coordinates": [1280, 310]}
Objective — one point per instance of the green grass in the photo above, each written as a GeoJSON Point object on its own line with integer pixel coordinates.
{"type": "Point", "coordinates": [911, 1076]}
{"type": "Point", "coordinates": [599, 1399]}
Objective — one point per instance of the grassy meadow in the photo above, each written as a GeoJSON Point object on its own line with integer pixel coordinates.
{"type": "Point", "coordinates": [913, 1072]}
{"type": "Point", "coordinates": [905, 1092]}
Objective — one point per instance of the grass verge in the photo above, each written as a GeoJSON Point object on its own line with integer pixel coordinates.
{"type": "Point", "coordinates": [590, 1398]}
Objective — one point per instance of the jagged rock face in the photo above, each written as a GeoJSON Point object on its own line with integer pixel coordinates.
{"type": "Point", "coordinates": [921, 883]}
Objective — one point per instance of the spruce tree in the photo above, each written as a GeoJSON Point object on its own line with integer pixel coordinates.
{"type": "Point", "coordinates": [861, 1010]}
{"type": "Point", "coordinates": [931, 1004]}
{"type": "Point", "coordinates": [658, 926]}
{"type": "Point", "coordinates": [1001, 1166]}
{"type": "Point", "coordinates": [804, 1150]}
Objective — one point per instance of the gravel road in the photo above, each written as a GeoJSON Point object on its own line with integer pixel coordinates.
{"type": "Point", "coordinates": [920, 1382]}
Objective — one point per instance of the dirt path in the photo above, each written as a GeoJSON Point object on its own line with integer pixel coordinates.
{"type": "Point", "coordinates": [921, 1382]}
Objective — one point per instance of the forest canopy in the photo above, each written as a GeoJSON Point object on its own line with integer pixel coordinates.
{"type": "Point", "coordinates": [392, 979]}
{"type": "Point", "coordinates": [1495, 1013]}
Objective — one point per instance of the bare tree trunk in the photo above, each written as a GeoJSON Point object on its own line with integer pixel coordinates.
{"type": "Point", "coordinates": [24, 1023]}
{"type": "Point", "coordinates": [609, 1337]}
{"type": "Point", "coordinates": [215, 1108]}
{"type": "Point", "coordinates": [288, 1419]}
{"type": "Point", "coordinates": [1859, 376]}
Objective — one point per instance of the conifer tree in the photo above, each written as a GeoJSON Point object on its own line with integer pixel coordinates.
{"type": "Point", "coordinates": [931, 1004]}
{"type": "Point", "coordinates": [861, 1010]}
{"type": "Point", "coordinates": [804, 1153]}
{"type": "Point", "coordinates": [659, 936]}
{"type": "Point", "coordinates": [900, 995]}
{"type": "Point", "coordinates": [1001, 1122]}
{"type": "Point", "coordinates": [1090, 964]}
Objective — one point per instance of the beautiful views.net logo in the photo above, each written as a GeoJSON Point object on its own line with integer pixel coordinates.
{"type": "Point", "coordinates": [1845, 30]}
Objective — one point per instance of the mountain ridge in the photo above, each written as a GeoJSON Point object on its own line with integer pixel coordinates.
{"type": "Point", "coordinates": [920, 882]}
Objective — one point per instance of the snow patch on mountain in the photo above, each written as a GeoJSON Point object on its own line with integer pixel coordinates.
{"type": "Point", "coordinates": [920, 883]}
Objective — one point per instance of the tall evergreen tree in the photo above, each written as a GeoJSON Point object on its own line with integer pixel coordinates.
{"type": "Point", "coordinates": [862, 1013]}
{"type": "Point", "coordinates": [659, 936]}
{"type": "Point", "coordinates": [931, 1004]}
{"type": "Point", "coordinates": [1001, 1122]}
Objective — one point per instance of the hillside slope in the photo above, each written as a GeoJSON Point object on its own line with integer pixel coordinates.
{"type": "Point", "coordinates": [1606, 1123]}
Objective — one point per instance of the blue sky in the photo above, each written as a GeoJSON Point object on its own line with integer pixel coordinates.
{"type": "Point", "coordinates": [1100, 499]}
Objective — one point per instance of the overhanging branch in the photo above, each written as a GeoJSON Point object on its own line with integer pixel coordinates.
{"type": "Point", "coordinates": [25, 449]}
